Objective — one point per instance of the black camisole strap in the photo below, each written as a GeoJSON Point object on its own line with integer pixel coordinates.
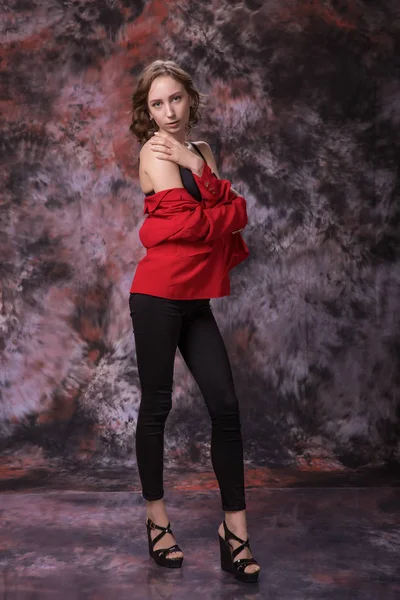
{"type": "Point", "coordinates": [198, 150]}
{"type": "Point", "coordinates": [201, 154]}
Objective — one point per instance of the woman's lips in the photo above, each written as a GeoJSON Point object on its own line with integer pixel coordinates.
{"type": "Point", "coordinates": [173, 123]}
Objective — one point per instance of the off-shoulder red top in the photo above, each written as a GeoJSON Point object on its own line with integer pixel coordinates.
{"type": "Point", "coordinates": [191, 245]}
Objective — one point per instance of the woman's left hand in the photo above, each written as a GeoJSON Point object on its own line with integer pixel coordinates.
{"type": "Point", "coordinates": [165, 147]}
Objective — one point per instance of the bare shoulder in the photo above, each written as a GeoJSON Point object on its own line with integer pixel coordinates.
{"type": "Point", "coordinates": [145, 151]}
{"type": "Point", "coordinates": [205, 149]}
{"type": "Point", "coordinates": [149, 161]}
{"type": "Point", "coordinates": [158, 174]}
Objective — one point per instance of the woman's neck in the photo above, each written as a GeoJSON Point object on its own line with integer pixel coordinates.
{"type": "Point", "coordinates": [179, 137]}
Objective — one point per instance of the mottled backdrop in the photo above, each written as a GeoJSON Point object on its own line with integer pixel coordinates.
{"type": "Point", "coordinates": [303, 115]}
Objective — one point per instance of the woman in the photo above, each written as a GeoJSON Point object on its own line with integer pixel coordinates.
{"type": "Point", "coordinates": [192, 236]}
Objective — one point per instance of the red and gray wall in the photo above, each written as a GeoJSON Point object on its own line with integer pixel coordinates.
{"type": "Point", "coordinates": [303, 115]}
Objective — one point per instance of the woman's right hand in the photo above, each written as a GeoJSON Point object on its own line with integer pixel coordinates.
{"type": "Point", "coordinates": [166, 147]}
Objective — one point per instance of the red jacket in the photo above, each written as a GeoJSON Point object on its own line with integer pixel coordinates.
{"type": "Point", "coordinates": [191, 245]}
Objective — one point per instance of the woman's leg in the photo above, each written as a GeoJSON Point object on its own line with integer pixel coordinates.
{"type": "Point", "coordinates": [203, 349]}
{"type": "Point", "coordinates": [156, 324]}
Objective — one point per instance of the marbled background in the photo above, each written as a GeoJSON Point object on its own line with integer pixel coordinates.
{"type": "Point", "coordinates": [303, 115]}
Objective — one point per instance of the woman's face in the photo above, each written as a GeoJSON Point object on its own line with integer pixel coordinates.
{"type": "Point", "coordinates": [169, 104]}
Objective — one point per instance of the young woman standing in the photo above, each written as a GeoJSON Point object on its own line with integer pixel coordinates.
{"type": "Point", "coordinates": [192, 236]}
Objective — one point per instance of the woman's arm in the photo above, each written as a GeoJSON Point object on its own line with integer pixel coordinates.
{"type": "Point", "coordinates": [209, 156]}
{"type": "Point", "coordinates": [165, 149]}
{"type": "Point", "coordinates": [163, 174]}
{"type": "Point", "coordinates": [177, 216]}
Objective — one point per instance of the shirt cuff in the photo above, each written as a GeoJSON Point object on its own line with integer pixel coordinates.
{"type": "Point", "coordinates": [207, 182]}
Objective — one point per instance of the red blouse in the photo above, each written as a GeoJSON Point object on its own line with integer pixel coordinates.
{"type": "Point", "coordinates": [191, 245]}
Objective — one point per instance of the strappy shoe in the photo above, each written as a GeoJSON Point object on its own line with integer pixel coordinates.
{"type": "Point", "coordinates": [161, 555]}
{"type": "Point", "coordinates": [228, 555]}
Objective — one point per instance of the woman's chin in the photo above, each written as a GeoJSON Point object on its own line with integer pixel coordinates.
{"type": "Point", "coordinates": [173, 130]}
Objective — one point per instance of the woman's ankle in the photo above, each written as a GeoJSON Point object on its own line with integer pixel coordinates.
{"type": "Point", "coordinates": [236, 520]}
{"type": "Point", "coordinates": [156, 511]}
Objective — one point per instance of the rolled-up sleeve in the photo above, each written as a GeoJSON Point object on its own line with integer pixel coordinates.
{"type": "Point", "coordinates": [208, 224]}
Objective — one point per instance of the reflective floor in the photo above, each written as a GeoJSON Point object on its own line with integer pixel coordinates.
{"type": "Point", "coordinates": [74, 533]}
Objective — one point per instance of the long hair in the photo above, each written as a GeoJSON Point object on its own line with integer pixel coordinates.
{"type": "Point", "coordinates": [142, 127]}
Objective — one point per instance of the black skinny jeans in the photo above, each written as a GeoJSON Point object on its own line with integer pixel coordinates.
{"type": "Point", "coordinates": [160, 326]}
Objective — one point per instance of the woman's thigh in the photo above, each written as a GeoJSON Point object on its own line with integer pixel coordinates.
{"type": "Point", "coordinates": [203, 349]}
{"type": "Point", "coordinates": [156, 325]}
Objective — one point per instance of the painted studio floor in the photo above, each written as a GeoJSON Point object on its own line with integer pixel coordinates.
{"type": "Point", "coordinates": [78, 534]}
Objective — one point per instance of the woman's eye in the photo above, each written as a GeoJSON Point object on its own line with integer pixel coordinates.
{"type": "Point", "coordinates": [157, 104]}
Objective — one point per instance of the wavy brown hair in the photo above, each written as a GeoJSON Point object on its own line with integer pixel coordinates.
{"type": "Point", "coordinates": [142, 127]}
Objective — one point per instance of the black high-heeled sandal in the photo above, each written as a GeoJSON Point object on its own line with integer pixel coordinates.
{"type": "Point", "coordinates": [228, 555]}
{"type": "Point", "coordinates": [161, 555]}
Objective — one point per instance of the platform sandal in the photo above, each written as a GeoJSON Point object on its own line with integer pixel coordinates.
{"type": "Point", "coordinates": [161, 555]}
{"type": "Point", "coordinates": [228, 555]}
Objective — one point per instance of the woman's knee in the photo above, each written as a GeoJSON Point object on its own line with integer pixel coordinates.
{"type": "Point", "coordinates": [157, 404]}
{"type": "Point", "coordinates": [225, 410]}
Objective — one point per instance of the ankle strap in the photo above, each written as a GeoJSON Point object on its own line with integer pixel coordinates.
{"type": "Point", "coordinates": [230, 535]}
{"type": "Point", "coordinates": [151, 525]}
